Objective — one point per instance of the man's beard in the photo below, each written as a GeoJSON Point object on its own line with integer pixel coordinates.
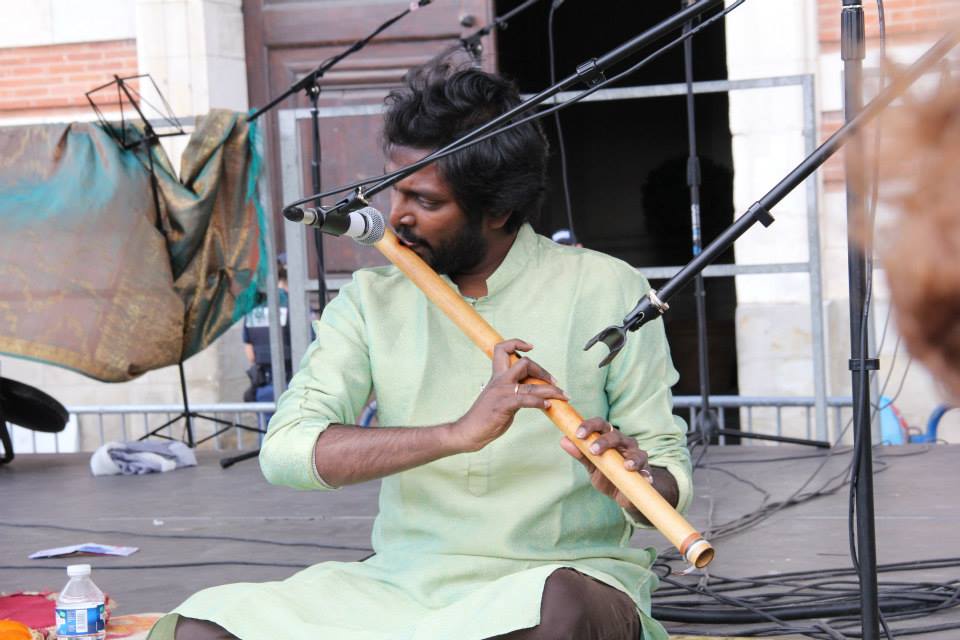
{"type": "Point", "coordinates": [454, 256]}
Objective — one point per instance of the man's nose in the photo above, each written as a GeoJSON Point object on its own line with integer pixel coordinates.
{"type": "Point", "coordinates": [399, 214]}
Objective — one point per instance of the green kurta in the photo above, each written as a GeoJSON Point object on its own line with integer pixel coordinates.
{"type": "Point", "coordinates": [464, 544]}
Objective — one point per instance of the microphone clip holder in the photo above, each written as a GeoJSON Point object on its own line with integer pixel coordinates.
{"type": "Point", "coordinates": [648, 308]}
{"type": "Point", "coordinates": [333, 220]}
{"type": "Point", "coordinates": [590, 72]}
{"type": "Point", "coordinates": [351, 203]}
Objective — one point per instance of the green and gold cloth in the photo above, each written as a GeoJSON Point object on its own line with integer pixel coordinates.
{"type": "Point", "coordinates": [93, 278]}
{"type": "Point", "coordinates": [464, 544]}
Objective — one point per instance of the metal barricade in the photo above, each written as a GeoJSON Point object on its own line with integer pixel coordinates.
{"type": "Point", "coordinates": [90, 426]}
{"type": "Point", "coordinates": [94, 425]}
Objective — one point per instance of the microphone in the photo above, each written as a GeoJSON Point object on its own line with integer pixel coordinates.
{"type": "Point", "coordinates": [366, 225]}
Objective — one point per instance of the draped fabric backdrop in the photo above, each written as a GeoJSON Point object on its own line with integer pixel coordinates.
{"type": "Point", "coordinates": [93, 278]}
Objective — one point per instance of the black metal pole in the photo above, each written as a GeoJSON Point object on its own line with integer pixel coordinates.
{"type": "Point", "coordinates": [186, 404]}
{"type": "Point", "coordinates": [313, 92]}
{"type": "Point", "coordinates": [852, 51]}
{"type": "Point", "coordinates": [705, 422]}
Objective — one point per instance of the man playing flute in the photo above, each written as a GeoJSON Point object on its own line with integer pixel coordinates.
{"type": "Point", "coordinates": [488, 526]}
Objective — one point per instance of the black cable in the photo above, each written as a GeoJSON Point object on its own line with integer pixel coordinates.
{"type": "Point", "coordinates": [765, 511]}
{"type": "Point", "coordinates": [835, 447]}
{"type": "Point", "coordinates": [738, 461]}
{"type": "Point", "coordinates": [568, 207]}
{"type": "Point", "coordinates": [183, 536]}
{"type": "Point", "coordinates": [800, 592]}
{"type": "Point", "coordinates": [783, 613]}
{"type": "Point", "coordinates": [903, 379]}
{"type": "Point", "coordinates": [753, 485]}
{"type": "Point", "coordinates": [757, 611]}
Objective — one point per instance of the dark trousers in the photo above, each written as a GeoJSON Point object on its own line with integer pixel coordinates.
{"type": "Point", "coordinates": [573, 607]}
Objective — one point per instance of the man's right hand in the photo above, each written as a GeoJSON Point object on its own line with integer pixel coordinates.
{"type": "Point", "coordinates": [492, 412]}
{"type": "Point", "coordinates": [347, 454]}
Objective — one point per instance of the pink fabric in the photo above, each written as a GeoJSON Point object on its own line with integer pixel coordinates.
{"type": "Point", "coordinates": [36, 610]}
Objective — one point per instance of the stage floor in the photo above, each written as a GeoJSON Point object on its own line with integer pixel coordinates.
{"type": "Point", "coordinates": [917, 518]}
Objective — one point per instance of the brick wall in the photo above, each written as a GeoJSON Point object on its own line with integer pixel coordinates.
{"type": "Point", "coordinates": [908, 22]}
{"type": "Point", "coordinates": [902, 17]}
{"type": "Point", "coordinates": [53, 79]}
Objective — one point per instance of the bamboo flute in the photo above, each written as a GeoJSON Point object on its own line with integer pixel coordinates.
{"type": "Point", "coordinates": [693, 547]}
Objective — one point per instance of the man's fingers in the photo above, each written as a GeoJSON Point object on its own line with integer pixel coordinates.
{"type": "Point", "coordinates": [602, 484]}
{"type": "Point", "coordinates": [542, 391]}
{"type": "Point", "coordinates": [503, 350]}
{"type": "Point", "coordinates": [532, 401]}
{"type": "Point", "coordinates": [572, 449]}
{"type": "Point", "coordinates": [593, 425]}
{"type": "Point", "coordinates": [534, 370]}
{"type": "Point", "coordinates": [612, 439]}
{"type": "Point", "coordinates": [634, 458]}
{"type": "Point", "coordinates": [526, 368]}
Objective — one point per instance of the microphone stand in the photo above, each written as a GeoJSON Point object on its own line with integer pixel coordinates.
{"type": "Point", "coordinates": [310, 85]}
{"type": "Point", "coordinates": [853, 51]}
{"type": "Point", "coordinates": [706, 422]}
{"type": "Point", "coordinates": [707, 426]}
{"type": "Point", "coordinates": [589, 72]}
{"type": "Point", "coordinates": [654, 304]}
{"type": "Point", "coordinates": [144, 144]}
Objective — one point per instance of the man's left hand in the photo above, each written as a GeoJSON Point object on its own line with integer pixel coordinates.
{"type": "Point", "coordinates": [634, 459]}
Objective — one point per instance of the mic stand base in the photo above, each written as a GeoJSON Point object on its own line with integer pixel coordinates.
{"type": "Point", "coordinates": [698, 437]}
{"type": "Point", "coordinates": [232, 460]}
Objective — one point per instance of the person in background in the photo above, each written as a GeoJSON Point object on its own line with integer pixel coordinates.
{"type": "Point", "coordinates": [565, 236]}
{"type": "Point", "coordinates": [919, 244]}
{"type": "Point", "coordinates": [256, 341]}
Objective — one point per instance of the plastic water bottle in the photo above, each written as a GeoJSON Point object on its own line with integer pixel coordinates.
{"type": "Point", "coordinates": [80, 607]}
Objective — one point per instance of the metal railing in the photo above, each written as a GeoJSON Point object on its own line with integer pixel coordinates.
{"type": "Point", "coordinates": [90, 426]}
{"type": "Point", "coordinates": [772, 415]}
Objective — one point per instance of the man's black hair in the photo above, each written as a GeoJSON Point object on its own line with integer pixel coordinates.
{"type": "Point", "coordinates": [503, 175]}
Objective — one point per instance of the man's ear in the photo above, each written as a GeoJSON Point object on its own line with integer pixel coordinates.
{"type": "Point", "coordinates": [497, 222]}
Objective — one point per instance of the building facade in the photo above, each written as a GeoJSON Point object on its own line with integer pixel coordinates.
{"type": "Point", "coordinates": [237, 54]}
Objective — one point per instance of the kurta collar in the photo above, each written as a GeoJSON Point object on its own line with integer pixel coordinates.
{"type": "Point", "coordinates": [513, 264]}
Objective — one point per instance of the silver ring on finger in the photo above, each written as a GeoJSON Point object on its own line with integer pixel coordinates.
{"type": "Point", "coordinates": [516, 390]}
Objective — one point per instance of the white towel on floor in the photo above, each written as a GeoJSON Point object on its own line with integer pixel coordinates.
{"type": "Point", "coordinates": [136, 458]}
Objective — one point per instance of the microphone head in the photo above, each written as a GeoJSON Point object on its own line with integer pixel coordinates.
{"type": "Point", "coordinates": [375, 226]}
{"type": "Point", "coordinates": [293, 214]}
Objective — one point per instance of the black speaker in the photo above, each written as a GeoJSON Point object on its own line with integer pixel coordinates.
{"type": "Point", "coordinates": [30, 408]}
